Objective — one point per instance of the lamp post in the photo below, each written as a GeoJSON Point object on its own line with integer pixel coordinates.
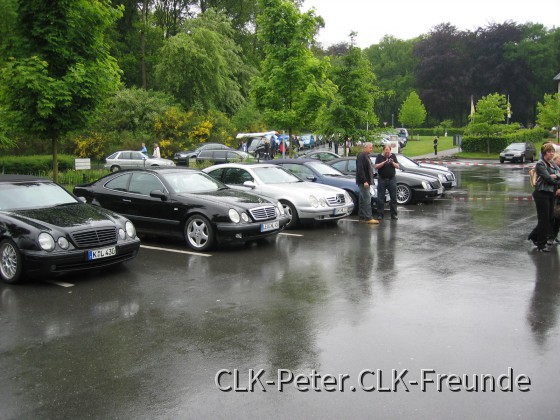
{"type": "Point", "coordinates": [393, 120]}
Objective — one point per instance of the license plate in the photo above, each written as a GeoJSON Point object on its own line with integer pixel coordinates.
{"type": "Point", "coordinates": [101, 253]}
{"type": "Point", "coordinates": [265, 227]}
{"type": "Point", "coordinates": [340, 210]}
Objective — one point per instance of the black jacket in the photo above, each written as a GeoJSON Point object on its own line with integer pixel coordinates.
{"type": "Point", "coordinates": [364, 169]}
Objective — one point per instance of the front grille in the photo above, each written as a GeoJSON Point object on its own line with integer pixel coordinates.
{"type": "Point", "coordinates": [95, 237]}
{"type": "Point", "coordinates": [336, 200]}
{"type": "Point", "coordinates": [435, 184]}
{"type": "Point", "coordinates": [263, 213]}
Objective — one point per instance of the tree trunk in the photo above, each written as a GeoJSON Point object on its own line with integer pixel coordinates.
{"type": "Point", "coordinates": [55, 159]}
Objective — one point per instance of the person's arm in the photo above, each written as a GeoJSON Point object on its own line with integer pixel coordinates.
{"type": "Point", "coordinates": [381, 163]}
{"type": "Point", "coordinates": [542, 172]}
{"type": "Point", "coordinates": [396, 163]}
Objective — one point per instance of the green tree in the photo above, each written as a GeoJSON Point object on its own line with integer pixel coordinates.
{"type": "Point", "coordinates": [352, 108]}
{"type": "Point", "coordinates": [490, 115]}
{"type": "Point", "coordinates": [549, 113]}
{"type": "Point", "coordinates": [412, 113]}
{"type": "Point", "coordinates": [292, 85]}
{"type": "Point", "coordinates": [202, 66]}
{"type": "Point", "coordinates": [60, 69]}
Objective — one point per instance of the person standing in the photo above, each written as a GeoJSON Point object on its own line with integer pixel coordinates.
{"type": "Point", "coordinates": [436, 143]}
{"type": "Point", "coordinates": [144, 150]}
{"type": "Point", "coordinates": [545, 190]}
{"type": "Point", "coordinates": [386, 164]}
{"type": "Point", "coordinates": [364, 179]}
{"type": "Point", "coordinates": [156, 152]}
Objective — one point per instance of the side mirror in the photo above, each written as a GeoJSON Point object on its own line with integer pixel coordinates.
{"type": "Point", "coordinates": [82, 199]}
{"type": "Point", "coordinates": [158, 194]}
{"type": "Point", "coordinates": [311, 178]}
{"type": "Point", "coordinates": [249, 184]}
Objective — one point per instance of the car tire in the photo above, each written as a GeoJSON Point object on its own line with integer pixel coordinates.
{"type": "Point", "coordinates": [532, 159]}
{"type": "Point", "coordinates": [355, 200]}
{"type": "Point", "coordinates": [291, 211]}
{"type": "Point", "coordinates": [502, 160]}
{"type": "Point", "coordinates": [115, 168]}
{"type": "Point", "coordinates": [404, 194]}
{"type": "Point", "coordinates": [11, 263]}
{"type": "Point", "coordinates": [199, 233]}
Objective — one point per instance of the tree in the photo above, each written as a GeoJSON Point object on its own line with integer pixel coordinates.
{"type": "Point", "coordinates": [490, 115]}
{"type": "Point", "coordinates": [549, 113]}
{"type": "Point", "coordinates": [292, 85]}
{"type": "Point", "coordinates": [202, 67]}
{"type": "Point", "coordinates": [412, 113]}
{"type": "Point", "coordinates": [60, 69]}
{"type": "Point", "coordinates": [352, 107]}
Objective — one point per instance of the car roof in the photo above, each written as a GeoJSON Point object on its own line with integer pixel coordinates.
{"type": "Point", "coordinates": [294, 160]}
{"type": "Point", "coordinates": [22, 178]}
{"type": "Point", "coordinates": [159, 169]}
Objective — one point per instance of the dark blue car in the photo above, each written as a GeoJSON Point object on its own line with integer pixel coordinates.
{"type": "Point", "coordinates": [316, 171]}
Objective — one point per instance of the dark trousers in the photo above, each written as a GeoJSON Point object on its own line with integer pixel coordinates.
{"type": "Point", "coordinates": [384, 184]}
{"type": "Point", "coordinates": [544, 201]}
{"type": "Point", "coordinates": [364, 204]}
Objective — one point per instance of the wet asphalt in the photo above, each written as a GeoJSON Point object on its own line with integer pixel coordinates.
{"type": "Point", "coordinates": [446, 313]}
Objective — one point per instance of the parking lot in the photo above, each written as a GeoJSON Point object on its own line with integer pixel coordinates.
{"type": "Point", "coordinates": [345, 321]}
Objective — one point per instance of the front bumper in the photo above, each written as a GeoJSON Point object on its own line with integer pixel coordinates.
{"type": "Point", "coordinates": [42, 263]}
{"type": "Point", "coordinates": [421, 194]}
{"type": "Point", "coordinates": [240, 232]}
{"type": "Point", "coordinates": [325, 214]}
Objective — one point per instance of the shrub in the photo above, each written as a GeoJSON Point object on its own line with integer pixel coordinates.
{"type": "Point", "coordinates": [35, 164]}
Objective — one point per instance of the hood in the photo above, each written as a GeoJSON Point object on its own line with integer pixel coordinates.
{"type": "Point", "coordinates": [307, 187]}
{"type": "Point", "coordinates": [436, 167]}
{"type": "Point", "coordinates": [67, 216]}
{"type": "Point", "coordinates": [231, 197]}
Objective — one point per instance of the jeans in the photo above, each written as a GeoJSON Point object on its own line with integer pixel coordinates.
{"type": "Point", "coordinates": [389, 184]}
{"type": "Point", "coordinates": [364, 205]}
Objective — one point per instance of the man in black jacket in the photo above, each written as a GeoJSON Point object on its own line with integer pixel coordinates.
{"type": "Point", "coordinates": [364, 179]}
{"type": "Point", "coordinates": [386, 164]}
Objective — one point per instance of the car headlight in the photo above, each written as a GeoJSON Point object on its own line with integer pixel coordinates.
{"type": "Point", "coordinates": [313, 201]}
{"type": "Point", "coordinates": [62, 242]}
{"type": "Point", "coordinates": [122, 234]}
{"type": "Point", "coordinates": [426, 185]}
{"type": "Point", "coordinates": [280, 208]}
{"type": "Point", "coordinates": [347, 198]}
{"type": "Point", "coordinates": [130, 229]}
{"type": "Point", "coordinates": [234, 216]}
{"type": "Point", "coordinates": [46, 241]}
{"type": "Point", "coordinates": [244, 217]}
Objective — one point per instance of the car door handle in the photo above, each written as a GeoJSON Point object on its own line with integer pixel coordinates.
{"type": "Point", "coordinates": [126, 200]}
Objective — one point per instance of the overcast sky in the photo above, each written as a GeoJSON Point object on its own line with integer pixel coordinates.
{"type": "Point", "coordinates": [406, 19]}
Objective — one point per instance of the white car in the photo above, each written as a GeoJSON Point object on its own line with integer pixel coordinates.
{"type": "Point", "coordinates": [132, 159]}
{"type": "Point", "coordinates": [304, 201]}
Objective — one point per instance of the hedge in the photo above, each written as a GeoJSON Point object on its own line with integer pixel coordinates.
{"type": "Point", "coordinates": [497, 143]}
{"type": "Point", "coordinates": [34, 164]}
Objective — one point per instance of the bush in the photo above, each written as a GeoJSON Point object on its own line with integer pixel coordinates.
{"type": "Point", "coordinates": [495, 144]}
{"type": "Point", "coordinates": [34, 164]}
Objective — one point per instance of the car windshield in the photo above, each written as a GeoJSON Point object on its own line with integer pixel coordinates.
{"type": "Point", "coordinates": [516, 146]}
{"type": "Point", "coordinates": [407, 162]}
{"type": "Point", "coordinates": [192, 182]}
{"type": "Point", "coordinates": [275, 175]}
{"type": "Point", "coordinates": [28, 195]}
{"type": "Point", "coordinates": [325, 169]}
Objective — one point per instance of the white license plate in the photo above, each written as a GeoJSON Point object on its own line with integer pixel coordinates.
{"type": "Point", "coordinates": [340, 210]}
{"type": "Point", "coordinates": [265, 227]}
{"type": "Point", "coordinates": [101, 253]}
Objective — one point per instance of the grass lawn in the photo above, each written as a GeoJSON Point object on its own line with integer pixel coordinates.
{"type": "Point", "coordinates": [426, 145]}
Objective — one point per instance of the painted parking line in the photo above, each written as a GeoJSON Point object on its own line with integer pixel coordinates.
{"type": "Point", "coordinates": [290, 234]}
{"type": "Point", "coordinates": [59, 283]}
{"type": "Point", "coordinates": [521, 198]}
{"type": "Point", "coordinates": [178, 251]}
{"type": "Point", "coordinates": [445, 163]}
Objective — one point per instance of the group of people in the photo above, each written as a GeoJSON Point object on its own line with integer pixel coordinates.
{"type": "Point", "coordinates": [386, 165]}
{"type": "Point", "coordinates": [546, 196]}
{"type": "Point", "coordinates": [156, 153]}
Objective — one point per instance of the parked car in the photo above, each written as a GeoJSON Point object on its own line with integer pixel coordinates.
{"type": "Point", "coordinates": [222, 156]}
{"type": "Point", "coordinates": [520, 152]}
{"type": "Point", "coordinates": [308, 141]}
{"type": "Point", "coordinates": [316, 171]}
{"type": "Point", "coordinates": [443, 173]}
{"type": "Point", "coordinates": [184, 157]}
{"type": "Point", "coordinates": [45, 230]}
{"type": "Point", "coordinates": [303, 201]}
{"type": "Point", "coordinates": [129, 159]}
{"type": "Point", "coordinates": [323, 156]}
{"type": "Point", "coordinates": [187, 203]}
{"type": "Point", "coordinates": [410, 187]}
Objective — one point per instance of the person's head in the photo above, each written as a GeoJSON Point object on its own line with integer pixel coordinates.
{"type": "Point", "coordinates": [143, 144]}
{"type": "Point", "coordinates": [155, 145]}
{"type": "Point", "coordinates": [368, 147]}
{"type": "Point", "coordinates": [386, 150]}
{"type": "Point", "coordinates": [547, 151]}
{"type": "Point", "coordinates": [556, 158]}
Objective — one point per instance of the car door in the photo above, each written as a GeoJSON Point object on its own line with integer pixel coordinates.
{"type": "Point", "coordinates": [235, 178]}
{"type": "Point", "coordinates": [137, 160]}
{"type": "Point", "coordinates": [113, 194]}
{"type": "Point", "coordinates": [301, 171]}
{"type": "Point", "coordinates": [152, 213]}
